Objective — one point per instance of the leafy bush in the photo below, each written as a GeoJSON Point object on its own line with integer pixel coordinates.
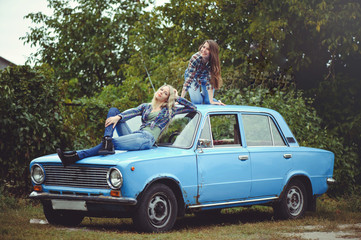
{"type": "Point", "coordinates": [30, 122]}
{"type": "Point", "coordinates": [305, 124]}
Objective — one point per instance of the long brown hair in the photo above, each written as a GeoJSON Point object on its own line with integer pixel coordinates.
{"type": "Point", "coordinates": [216, 79]}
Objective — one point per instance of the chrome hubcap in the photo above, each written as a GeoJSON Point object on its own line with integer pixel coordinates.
{"type": "Point", "coordinates": [295, 201]}
{"type": "Point", "coordinates": [159, 211]}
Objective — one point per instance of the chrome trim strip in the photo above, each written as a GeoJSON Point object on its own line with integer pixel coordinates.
{"type": "Point", "coordinates": [330, 181]}
{"type": "Point", "coordinates": [100, 199]}
{"type": "Point", "coordinates": [231, 203]}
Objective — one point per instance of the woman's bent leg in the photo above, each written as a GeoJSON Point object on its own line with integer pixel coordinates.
{"type": "Point", "coordinates": [138, 140]}
{"type": "Point", "coordinates": [122, 142]}
{"type": "Point", "coordinates": [205, 95]}
{"type": "Point", "coordinates": [195, 95]}
{"type": "Point", "coordinates": [111, 113]}
{"type": "Point", "coordinates": [121, 127]}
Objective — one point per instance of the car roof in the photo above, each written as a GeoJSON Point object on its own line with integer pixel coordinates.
{"type": "Point", "coordinates": [239, 108]}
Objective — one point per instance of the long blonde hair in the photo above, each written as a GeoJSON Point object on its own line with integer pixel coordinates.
{"type": "Point", "coordinates": [216, 79]}
{"type": "Point", "coordinates": [170, 103]}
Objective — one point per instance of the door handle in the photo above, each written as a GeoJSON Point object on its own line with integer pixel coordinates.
{"type": "Point", "coordinates": [287, 155]}
{"type": "Point", "coordinates": [243, 157]}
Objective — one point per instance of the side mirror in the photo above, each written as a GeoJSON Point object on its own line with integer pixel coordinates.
{"type": "Point", "coordinates": [204, 143]}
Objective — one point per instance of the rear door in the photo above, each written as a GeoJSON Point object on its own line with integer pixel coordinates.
{"type": "Point", "coordinates": [271, 157]}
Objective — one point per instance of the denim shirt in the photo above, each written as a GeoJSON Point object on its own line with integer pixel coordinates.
{"type": "Point", "coordinates": [163, 117]}
{"type": "Point", "coordinates": [197, 72]}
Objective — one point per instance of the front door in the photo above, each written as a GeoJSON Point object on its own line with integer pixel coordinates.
{"type": "Point", "coordinates": [224, 171]}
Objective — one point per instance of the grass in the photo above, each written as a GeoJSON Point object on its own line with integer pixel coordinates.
{"type": "Point", "coordinates": [236, 223]}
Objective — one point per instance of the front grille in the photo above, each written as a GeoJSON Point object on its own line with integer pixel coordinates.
{"type": "Point", "coordinates": [76, 176]}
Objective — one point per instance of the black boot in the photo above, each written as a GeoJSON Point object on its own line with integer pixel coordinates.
{"type": "Point", "coordinates": [107, 146]}
{"type": "Point", "coordinates": [67, 158]}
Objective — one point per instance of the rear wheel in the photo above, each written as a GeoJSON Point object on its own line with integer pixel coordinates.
{"type": "Point", "coordinates": [157, 209]}
{"type": "Point", "coordinates": [64, 218]}
{"type": "Point", "coordinates": [293, 203]}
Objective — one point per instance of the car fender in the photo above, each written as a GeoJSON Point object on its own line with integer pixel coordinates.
{"type": "Point", "coordinates": [163, 178]}
{"type": "Point", "coordinates": [172, 182]}
{"type": "Point", "coordinates": [305, 178]}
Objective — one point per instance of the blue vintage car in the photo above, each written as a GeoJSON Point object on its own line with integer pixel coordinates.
{"type": "Point", "coordinates": [217, 157]}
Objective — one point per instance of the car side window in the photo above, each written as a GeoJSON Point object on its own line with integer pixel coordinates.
{"type": "Point", "coordinates": [222, 130]}
{"type": "Point", "coordinates": [260, 130]}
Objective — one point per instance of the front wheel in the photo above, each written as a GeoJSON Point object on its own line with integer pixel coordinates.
{"type": "Point", "coordinates": [64, 218]}
{"type": "Point", "coordinates": [156, 210]}
{"type": "Point", "coordinates": [293, 203]}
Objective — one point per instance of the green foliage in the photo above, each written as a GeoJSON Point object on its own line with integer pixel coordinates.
{"type": "Point", "coordinates": [30, 121]}
{"type": "Point", "coordinates": [173, 130]}
{"type": "Point", "coordinates": [88, 42]}
{"type": "Point", "coordinates": [262, 36]}
{"type": "Point", "coordinates": [340, 105]}
{"type": "Point", "coordinates": [223, 127]}
{"type": "Point", "coordinates": [350, 203]}
{"type": "Point", "coordinates": [7, 202]}
{"type": "Point", "coordinates": [306, 126]}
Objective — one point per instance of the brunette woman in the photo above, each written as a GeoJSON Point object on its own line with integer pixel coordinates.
{"type": "Point", "coordinates": [203, 74]}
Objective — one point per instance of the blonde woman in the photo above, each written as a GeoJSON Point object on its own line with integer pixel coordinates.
{"type": "Point", "coordinates": [203, 74]}
{"type": "Point", "coordinates": [155, 117]}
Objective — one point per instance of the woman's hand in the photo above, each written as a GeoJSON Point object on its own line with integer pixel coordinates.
{"type": "Point", "coordinates": [112, 120]}
{"type": "Point", "coordinates": [210, 95]}
{"type": "Point", "coordinates": [217, 103]}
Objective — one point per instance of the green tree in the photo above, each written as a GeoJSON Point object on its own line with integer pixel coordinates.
{"type": "Point", "coordinates": [88, 41]}
{"type": "Point", "coordinates": [31, 122]}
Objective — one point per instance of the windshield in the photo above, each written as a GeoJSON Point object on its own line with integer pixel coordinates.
{"type": "Point", "coordinates": [180, 132]}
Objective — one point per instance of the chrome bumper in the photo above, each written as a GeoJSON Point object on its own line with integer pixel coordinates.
{"type": "Point", "coordinates": [330, 181]}
{"type": "Point", "coordinates": [90, 199]}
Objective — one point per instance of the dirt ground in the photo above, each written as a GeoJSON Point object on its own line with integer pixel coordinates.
{"type": "Point", "coordinates": [346, 231]}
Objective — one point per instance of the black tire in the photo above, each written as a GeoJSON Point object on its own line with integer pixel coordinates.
{"type": "Point", "coordinates": [156, 210]}
{"type": "Point", "coordinates": [64, 218]}
{"type": "Point", "coordinates": [293, 203]}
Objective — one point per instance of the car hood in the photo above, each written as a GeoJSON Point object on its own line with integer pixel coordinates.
{"type": "Point", "coordinates": [124, 157]}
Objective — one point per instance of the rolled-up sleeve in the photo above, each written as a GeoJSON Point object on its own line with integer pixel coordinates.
{"type": "Point", "coordinates": [187, 106]}
{"type": "Point", "coordinates": [191, 70]}
{"type": "Point", "coordinates": [130, 113]}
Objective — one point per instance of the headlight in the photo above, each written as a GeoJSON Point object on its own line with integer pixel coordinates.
{"type": "Point", "coordinates": [114, 178]}
{"type": "Point", "coordinates": [37, 174]}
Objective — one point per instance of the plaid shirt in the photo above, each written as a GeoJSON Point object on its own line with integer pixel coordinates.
{"type": "Point", "coordinates": [163, 117]}
{"type": "Point", "coordinates": [197, 72]}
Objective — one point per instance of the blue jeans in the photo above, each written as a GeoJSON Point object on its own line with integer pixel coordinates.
{"type": "Point", "coordinates": [127, 140]}
{"type": "Point", "coordinates": [198, 96]}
